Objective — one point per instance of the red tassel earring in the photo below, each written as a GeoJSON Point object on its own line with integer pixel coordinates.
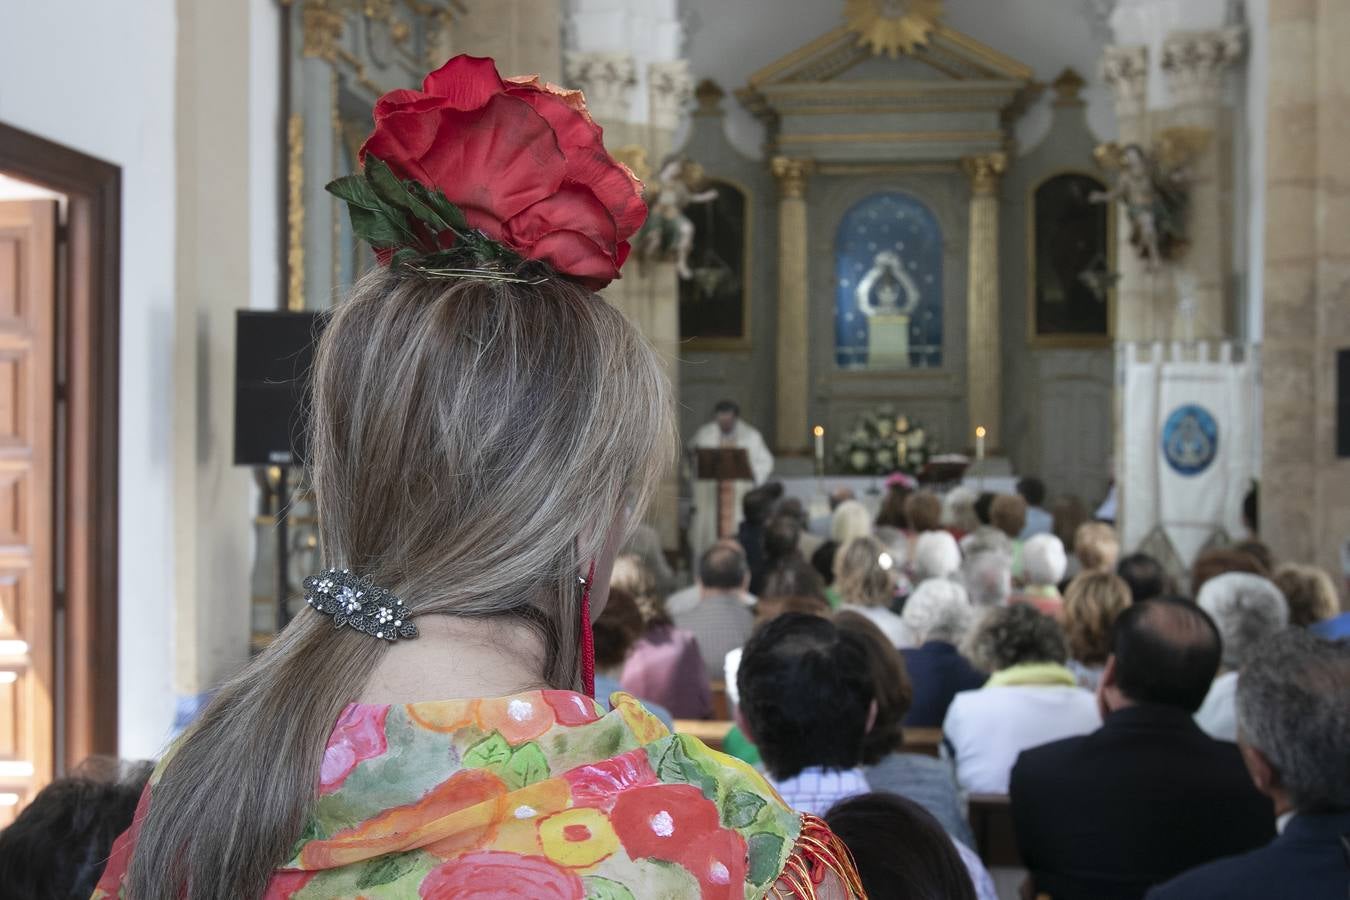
{"type": "Point", "coordinates": [587, 635]}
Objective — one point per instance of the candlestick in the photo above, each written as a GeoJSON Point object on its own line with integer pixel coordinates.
{"type": "Point", "coordinates": [819, 433]}
{"type": "Point", "coordinates": [979, 442]}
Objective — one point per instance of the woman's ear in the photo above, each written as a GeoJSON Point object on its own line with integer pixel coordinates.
{"type": "Point", "coordinates": [871, 717]}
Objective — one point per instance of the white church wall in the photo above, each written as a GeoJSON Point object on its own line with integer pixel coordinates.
{"type": "Point", "coordinates": [109, 92]}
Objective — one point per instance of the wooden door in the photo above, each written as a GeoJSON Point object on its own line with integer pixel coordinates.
{"type": "Point", "coordinates": [27, 499]}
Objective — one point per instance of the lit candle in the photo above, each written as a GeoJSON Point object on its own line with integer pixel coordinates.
{"type": "Point", "coordinates": [819, 432]}
{"type": "Point", "coordinates": [979, 441]}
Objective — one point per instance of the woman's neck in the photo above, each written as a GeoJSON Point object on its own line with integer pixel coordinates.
{"type": "Point", "coordinates": [456, 658]}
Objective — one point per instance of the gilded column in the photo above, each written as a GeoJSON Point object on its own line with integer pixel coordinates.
{"type": "Point", "coordinates": [1194, 64]}
{"type": "Point", "coordinates": [1125, 70]}
{"type": "Point", "coordinates": [793, 361]}
{"type": "Point", "coordinates": [983, 366]}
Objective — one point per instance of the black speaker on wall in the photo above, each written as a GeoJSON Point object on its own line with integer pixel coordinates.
{"type": "Point", "coordinates": [272, 358]}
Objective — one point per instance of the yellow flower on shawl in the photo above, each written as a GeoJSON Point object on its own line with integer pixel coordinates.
{"type": "Point", "coordinates": [645, 726]}
{"type": "Point", "coordinates": [578, 837]}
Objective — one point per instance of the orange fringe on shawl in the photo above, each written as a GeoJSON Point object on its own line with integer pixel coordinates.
{"type": "Point", "coordinates": [818, 853]}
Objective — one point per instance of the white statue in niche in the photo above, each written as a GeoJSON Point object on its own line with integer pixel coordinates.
{"type": "Point", "coordinates": [887, 289]}
{"type": "Point", "coordinates": [887, 295]}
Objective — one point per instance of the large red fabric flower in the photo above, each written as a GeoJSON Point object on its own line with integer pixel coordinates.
{"type": "Point", "coordinates": [523, 160]}
{"type": "Point", "coordinates": [662, 821]}
{"type": "Point", "coordinates": [718, 861]}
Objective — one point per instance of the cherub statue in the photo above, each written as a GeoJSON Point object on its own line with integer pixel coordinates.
{"type": "Point", "coordinates": [668, 228]}
{"type": "Point", "coordinates": [1153, 188]}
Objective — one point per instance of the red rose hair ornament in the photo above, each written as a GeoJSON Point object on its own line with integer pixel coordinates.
{"type": "Point", "coordinates": [474, 174]}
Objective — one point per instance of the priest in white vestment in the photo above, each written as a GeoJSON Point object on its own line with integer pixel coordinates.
{"type": "Point", "coordinates": [725, 430]}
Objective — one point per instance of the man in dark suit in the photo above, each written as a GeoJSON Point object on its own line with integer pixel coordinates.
{"type": "Point", "coordinates": [1293, 708]}
{"type": "Point", "coordinates": [1148, 795]}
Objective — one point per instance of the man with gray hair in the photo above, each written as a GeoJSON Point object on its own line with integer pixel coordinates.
{"type": "Point", "coordinates": [938, 614]}
{"type": "Point", "coordinates": [1293, 709]}
{"type": "Point", "coordinates": [1248, 610]}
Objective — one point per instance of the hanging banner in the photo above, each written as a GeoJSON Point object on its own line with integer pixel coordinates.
{"type": "Point", "coordinates": [1188, 446]}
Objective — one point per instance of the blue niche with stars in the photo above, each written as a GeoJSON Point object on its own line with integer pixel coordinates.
{"type": "Point", "coordinates": [888, 285]}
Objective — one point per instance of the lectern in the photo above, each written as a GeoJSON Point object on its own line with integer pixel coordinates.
{"type": "Point", "coordinates": [726, 466]}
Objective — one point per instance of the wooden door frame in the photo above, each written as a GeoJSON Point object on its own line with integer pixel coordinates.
{"type": "Point", "coordinates": [91, 332]}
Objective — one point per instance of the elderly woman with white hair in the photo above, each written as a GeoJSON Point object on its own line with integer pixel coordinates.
{"type": "Point", "coordinates": [1247, 609]}
{"type": "Point", "coordinates": [987, 578]}
{"type": "Point", "coordinates": [1043, 564]}
{"type": "Point", "coordinates": [935, 555]}
{"type": "Point", "coordinates": [938, 614]}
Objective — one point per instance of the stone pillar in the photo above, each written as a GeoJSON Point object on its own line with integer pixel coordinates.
{"type": "Point", "coordinates": [1305, 501]}
{"type": "Point", "coordinates": [983, 367]}
{"type": "Point", "coordinates": [1125, 70]}
{"type": "Point", "coordinates": [669, 87]}
{"type": "Point", "coordinates": [793, 348]}
{"type": "Point", "coordinates": [607, 80]}
{"type": "Point", "coordinates": [1194, 64]}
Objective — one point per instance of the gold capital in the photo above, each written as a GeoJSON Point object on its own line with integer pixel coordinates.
{"type": "Point", "coordinates": [295, 213]}
{"type": "Point", "coordinates": [984, 171]}
{"type": "Point", "coordinates": [322, 30]}
{"type": "Point", "coordinates": [791, 174]}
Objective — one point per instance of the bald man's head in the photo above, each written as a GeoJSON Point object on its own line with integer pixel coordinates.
{"type": "Point", "coordinates": [1167, 653]}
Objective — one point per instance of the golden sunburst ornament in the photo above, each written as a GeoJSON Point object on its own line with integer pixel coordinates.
{"type": "Point", "coordinates": [892, 26]}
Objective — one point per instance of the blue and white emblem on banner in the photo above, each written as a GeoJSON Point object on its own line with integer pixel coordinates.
{"type": "Point", "coordinates": [1190, 439]}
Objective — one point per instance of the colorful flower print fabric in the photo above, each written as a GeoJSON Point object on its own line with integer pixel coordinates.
{"type": "Point", "coordinates": [539, 795]}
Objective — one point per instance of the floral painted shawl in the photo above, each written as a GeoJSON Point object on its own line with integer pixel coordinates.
{"type": "Point", "coordinates": [539, 795]}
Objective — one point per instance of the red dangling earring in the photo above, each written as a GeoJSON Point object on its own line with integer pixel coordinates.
{"type": "Point", "coordinates": [587, 636]}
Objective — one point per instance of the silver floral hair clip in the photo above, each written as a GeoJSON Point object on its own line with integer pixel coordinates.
{"type": "Point", "coordinates": [359, 603]}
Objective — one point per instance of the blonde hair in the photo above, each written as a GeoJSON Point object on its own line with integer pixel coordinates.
{"type": "Point", "coordinates": [1096, 546]}
{"type": "Point", "coordinates": [860, 578]}
{"type": "Point", "coordinates": [472, 442]}
{"type": "Point", "coordinates": [850, 520]}
{"type": "Point", "coordinates": [1309, 592]}
{"type": "Point", "coordinates": [632, 574]}
{"type": "Point", "coordinates": [1092, 602]}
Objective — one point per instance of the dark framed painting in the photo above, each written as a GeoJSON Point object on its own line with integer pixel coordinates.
{"type": "Point", "coordinates": [715, 300]}
{"type": "Point", "coordinates": [1071, 262]}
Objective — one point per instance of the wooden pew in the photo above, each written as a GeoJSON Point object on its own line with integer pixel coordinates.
{"type": "Point", "coordinates": [712, 733]}
{"type": "Point", "coordinates": [720, 702]}
{"type": "Point", "coordinates": [992, 823]}
{"type": "Point", "coordinates": [927, 741]}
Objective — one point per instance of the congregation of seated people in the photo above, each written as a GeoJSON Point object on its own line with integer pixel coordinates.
{"type": "Point", "coordinates": [930, 670]}
{"type": "Point", "coordinates": [982, 695]}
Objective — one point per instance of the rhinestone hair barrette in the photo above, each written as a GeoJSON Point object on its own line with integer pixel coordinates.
{"type": "Point", "coordinates": [357, 602]}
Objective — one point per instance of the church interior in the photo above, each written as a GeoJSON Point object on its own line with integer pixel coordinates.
{"type": "Point", "coordinates": [1092, 253]}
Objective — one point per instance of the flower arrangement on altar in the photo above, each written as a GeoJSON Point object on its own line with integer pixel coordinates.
{"type": "Point", "coordinates": [881, 442]}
